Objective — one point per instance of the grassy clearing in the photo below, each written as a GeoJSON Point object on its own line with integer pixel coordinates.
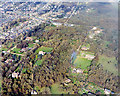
{"type": "Point", "coordinates": [4, 49]}
{"type": "Point", "coordinates": [16, 50]}
{"type": "Point", "coordinates": [30, 45]}
{"type": "Point", "coordinates": [106, 43]}
{"type": "Point", "coordinates": [39, 62]}
{"type": "Point", "coordinates": [33, 37]}
{"type": "Point", "coordinates": [55, 89]}
{"type": "Point", "coordinates": [45, 49]}
{"type": "Point", "coordinates": [24, 70]}
{"type": "Point", "coordinates": [108, 63]}
{"type": "Point", "coordinates": [86, 45]}
{"type": "Point", "coordinates": [82, 63]}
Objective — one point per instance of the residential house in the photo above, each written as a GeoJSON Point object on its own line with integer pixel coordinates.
{"type": "Point", "coordinates": [36, 41]}
{"type": "Point", "coordinates": [89, 57]}
{"type": "Point", "coordinates": [67, 81]}
{"type": "Point", "coordinates": [107, 91]}
{"type": "Point", "coordinates": [29, 38]}
{"type": "Point", "coordinates": [97, 32]}
{"type": "Point", "coordinates": [9, 60]}
{"type": "Point", "coordinates": [5, 52]}
{"type": "Point", "coordinates": [33, 92]}
{"type": "Point", "coordinates": [41, 52]}
{"type": "Point", "coordinates": [85, 48]}
{"type": "Point", "coordinates": [74, 70]}
{"type": "Point", "coordinates": [15, 75]}
{"type": "Point", "coordinates": [79, 70]}
{"type": "Point", "coordinates": [23, 50]}
{"type": "Point", "coordinates": [94, 28]}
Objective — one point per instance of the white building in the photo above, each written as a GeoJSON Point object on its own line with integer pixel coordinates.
{"type": "Point", "coordinates": [106, 91]}
{"type": "Point", "coordinates": [41, 52]}
{"type": "Point", "coordinates": [36, 41]}
{"type": "Point", "coordinates": [79, 70]}
{"type": "Point", "coordinates": [94, 28]}
{"type": "Point", "coordinates": [33, 92]}
{"type": "Point", "coordinates": [15, 75]}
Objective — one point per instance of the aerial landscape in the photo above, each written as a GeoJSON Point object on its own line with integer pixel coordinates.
{"type": "Point", "coordinates": [58, 48]}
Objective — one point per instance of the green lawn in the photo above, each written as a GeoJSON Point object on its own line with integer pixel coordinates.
{"type": "Point", "coordinates": [82, 63]}
{"type": "Point", "coordinates": [24, 70]}
{"type": "Point", "coordinates": [4, 49]}
{"type": "Point", "coordinates": [108, 63]}
{"type": "Point", "coordinates": [30, 45]}
{"type": "Point", "coordinates": [86, 45]}
{"type": "Point", "coordinates": [45, 49]}
{"type": "Point", "coordinates": [17, 69]}
{"type": "Point", "coordinates": [55, 89]}
{"type": "Point", "coordinates": [0, 83]}
{"type": "Point", "coordinates": [39, 62]}
{"type": "Point", "coordinates": [16, 50]}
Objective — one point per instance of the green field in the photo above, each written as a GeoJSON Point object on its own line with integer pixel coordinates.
{"type": "Point", "coordinates": [82, 63]}
{"type": "Point", "coordinates": [30, 45]}
{"type": "Point", "coordinates": [45, 49]}
{"type": "Point", "coordinates": [39, 62]}
{"type": "Point", "coordinates": [16, 50]}
{"type": "Point", "coordinates": [108, 63]}
{"type": "Point", "coordinates": [4, 49]}
{"type": "Point", "coordinates": [55, 89]}
{"type": "Point", "coordinates": [86, 45]}
{"type": "Point", "coordinates": [86, 52]}
{"type": "Point", "coordinates": [24, 70]}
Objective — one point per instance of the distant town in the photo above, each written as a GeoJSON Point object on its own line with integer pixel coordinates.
{"type": "Point", "coordinates": [58, 48]}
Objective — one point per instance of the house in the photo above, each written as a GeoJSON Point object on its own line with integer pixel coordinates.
{"type": "Point", "coordinates": [33, 92]}
{"type": "Point", "coordinates": [57, 23]}
{"type": "Point", "coordinates": [15, 75]}
{"type": "Point", "coordinates": [91, 36]}
{"type": "Point", "coordinates": [23, 50]}
{"type": "Point", "coordinates": [94, 28]}
{"type": "Point", "coordinates": [85, 48]}
{"type": "Point", "coordinates": [74, 70]}
{"type": "Point", "coordinates": [89, 57]}
{"type": "Point", "coordinates": [9, 60]}
{"type": "Point", "coordinates": [97, 32]}
{"type": "Point", "coordinates": [29, 38]}
{"type": "Point", "coordinates": [107, 91]}
{"type": "Point", "coordinates": [41, 52]}
{"type": "Point", "coordinates": [79, 70]}
{"type": "Point", "coordinates": [67, 81]}
{"type": "Point", "coordinates": [36, 41]}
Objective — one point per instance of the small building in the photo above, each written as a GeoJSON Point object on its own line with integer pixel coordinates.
{"type": "Point", "coordinates": [36, 41]}
{"type": "Point", "coordinates": [23, 50]}
{"type": "Point", "coordinates": [33, 92]}
{"type": "Point", "coordinates": [85, 48]}
{"type": "Point", "coordinates": [9, 60]}
{"type": "Point", "coordinates": [97, 32]}
{"type": "Point", "coordinates": [15, 75]}
{"type": "Point", "coordinates": [74, 70]}
{"type": "Point", "coordinates": [89, 57]}
{"type": "Point", "coordinates": [79, 70]}
{"type": "Point", "coordinates": [29, 38]}
{"type": "Point", "coordinates": [67, 81]}
{"type": "Point", "coordinates": [5, 52]}
{"type": "Point", "coordinates": [42, 53]}
{"type": "Point", "coordinates": [57, 23]}
{"type": "Point", "coordinates": [94, 28]}
{"type": "Point", "coordinates": [107, 91]}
